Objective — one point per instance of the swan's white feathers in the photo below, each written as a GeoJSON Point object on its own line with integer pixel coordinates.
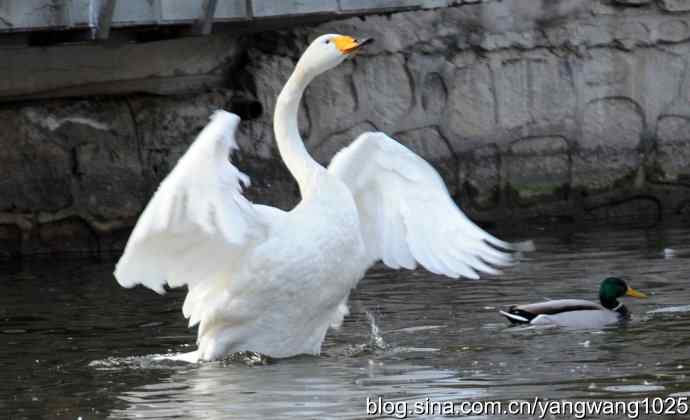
{"type": "Point", "coordinates": [196, 225]}
{"type": "Point", "coordinates": [407, 214]}
{"type": "Point", "coordinates": [270, 281]}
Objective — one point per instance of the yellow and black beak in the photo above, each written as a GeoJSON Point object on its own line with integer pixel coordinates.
{"type": "Point", "coordinates": [348, 45]}
{"type": "Point", "coordinates": [635, 293]}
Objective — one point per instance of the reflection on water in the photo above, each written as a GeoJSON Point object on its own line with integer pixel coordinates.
{"type": "Point", "coordinates": [75, 344]}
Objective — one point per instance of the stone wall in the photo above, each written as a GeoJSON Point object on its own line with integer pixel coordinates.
{"type": "Point", "coordinates": [572, 109]}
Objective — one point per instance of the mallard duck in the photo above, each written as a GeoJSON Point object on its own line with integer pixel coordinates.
{"type": "Point", "coordinates": [577, 313]}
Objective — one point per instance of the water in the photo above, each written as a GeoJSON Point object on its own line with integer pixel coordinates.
{"type": "Point", "coordinates": [74, 344]}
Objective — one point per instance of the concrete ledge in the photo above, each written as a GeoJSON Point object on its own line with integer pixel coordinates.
{"type": "Point", "coordinates": [155, 67]}
{"type": "Point", "coordinates": [20, 15]}
{"type": "Point", "coordinates": [350, 5]}
{"type": "Point", "coordinates": [266, 8]}
{"type": "Point", "coordinates": [226, 10]}
{"type": "Point", "coordinates": [135, 12]}
{"type": "Point", "coordinates": [32, 15]}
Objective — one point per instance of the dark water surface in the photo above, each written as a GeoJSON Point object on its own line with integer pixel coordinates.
{"type": "Point", "coordinates": [73, 344]}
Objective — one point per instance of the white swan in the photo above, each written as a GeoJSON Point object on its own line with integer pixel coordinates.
{"type": "Point", "coordinates": [273, 282]}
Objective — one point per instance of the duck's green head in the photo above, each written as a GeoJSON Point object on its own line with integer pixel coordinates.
{"type": "Point", "coordinates": [612, 288]}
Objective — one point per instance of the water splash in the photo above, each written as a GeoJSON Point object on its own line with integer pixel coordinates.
{"type": "Point", "coordinates": [670, 309]}
{"type": "Point", "coordinates": [376, 341]}
{"type": "Point", "coordinates": [249, 358]}
{"type": "Point", "coordinates": [668, 253]}
{"type": "Point", "coordinates": [154, 361]}
{"type": "Point", "coordinates": [375, 344]}
{"type": "Point", "coordinates": [176, 360]}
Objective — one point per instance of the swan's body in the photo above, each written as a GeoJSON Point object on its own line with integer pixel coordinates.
{"type": "Point", "coordinates": [273, 282]}
{"type": "Point", "coordinates": [287, 272]}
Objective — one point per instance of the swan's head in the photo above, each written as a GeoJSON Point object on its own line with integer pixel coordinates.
{"type": "Point", "coordinates": [327, 51]}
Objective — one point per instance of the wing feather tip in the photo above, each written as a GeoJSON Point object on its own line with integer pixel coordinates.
{"type": "Point", "coordinates": [524, 246]}
{"type": "Point", "coordinates": [513, 317]}
{"type": "Point", "coordinates": [129, 281]}
{"type": "Point", "coordinates": [521, 246]}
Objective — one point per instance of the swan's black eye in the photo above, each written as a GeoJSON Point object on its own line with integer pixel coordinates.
{"type": "Point", "coordinates": [328, 41]}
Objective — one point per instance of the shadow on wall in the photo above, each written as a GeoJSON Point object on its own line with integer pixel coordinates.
{"type": "Point", "coordinates": [520, 16]}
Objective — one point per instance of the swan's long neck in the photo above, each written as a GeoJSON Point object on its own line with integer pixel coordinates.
{"type": "Point", "coordinates": [290, 144]}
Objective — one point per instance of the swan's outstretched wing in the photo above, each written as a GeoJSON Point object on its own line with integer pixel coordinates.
{"type": "Point", "coordinates": [197, 224]}
{"type": "Point", "coordinates": [408, 216]}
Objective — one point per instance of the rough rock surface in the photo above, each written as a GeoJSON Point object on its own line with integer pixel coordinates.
{"type": "Point", "coordinates": [76, 173]}
{"type": "Point", "coordinates": [576, 109]}
{"type": "Point", "coordinates": [528, 109]}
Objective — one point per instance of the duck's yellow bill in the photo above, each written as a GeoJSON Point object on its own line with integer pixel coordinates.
{"type": "Point", "coordinates": [634, 293]}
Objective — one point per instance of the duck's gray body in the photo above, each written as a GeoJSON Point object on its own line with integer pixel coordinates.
{"type": "Point", "coordinates": [572, 313]}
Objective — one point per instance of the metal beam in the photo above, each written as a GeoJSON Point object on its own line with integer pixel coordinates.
{"type": "Point", "coordinates": [204, 25]}
{"type": "Point", "coordinates": [101, 17]}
